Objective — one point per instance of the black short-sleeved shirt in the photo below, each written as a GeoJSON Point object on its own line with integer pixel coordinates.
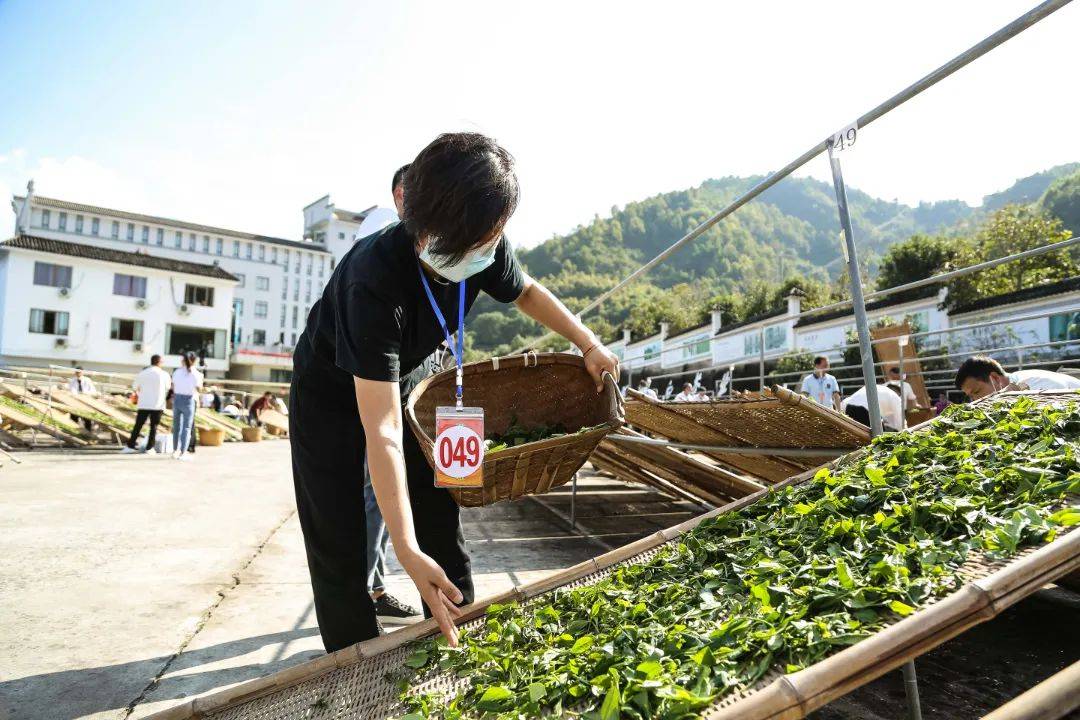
{"type": "Point", "coordinates": [374, 320]}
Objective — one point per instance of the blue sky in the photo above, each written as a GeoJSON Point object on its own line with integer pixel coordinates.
{"type": "Point", "coordinates": [239, 114]}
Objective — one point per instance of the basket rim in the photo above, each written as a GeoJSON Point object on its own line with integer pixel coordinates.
{"type": "Point", "coordinates": [530, 359]}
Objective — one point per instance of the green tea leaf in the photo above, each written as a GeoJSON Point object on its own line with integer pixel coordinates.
{"type": "Point", "coordinates": [901, 608]}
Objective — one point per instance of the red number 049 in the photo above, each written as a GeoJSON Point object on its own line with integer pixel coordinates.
{"type": "Point", "coordinates": [461, 451]}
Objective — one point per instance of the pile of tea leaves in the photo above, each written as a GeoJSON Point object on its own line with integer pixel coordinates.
{"type": "Point", "coordinates": [778, 585]}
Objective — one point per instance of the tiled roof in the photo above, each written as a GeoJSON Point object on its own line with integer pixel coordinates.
{"type": "Point", "coordinates": [94, 209]}
{"type": "Point", "coordinates": [725, 329]}
{"type": "Point", "coordinates": [1031, 293]}
{"type": "Point", "coordinates": [93, 252]}
{"type": "Point", "coordinates": [908, 296]}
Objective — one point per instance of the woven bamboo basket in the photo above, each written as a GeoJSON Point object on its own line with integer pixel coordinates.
{"type": "Point", "coordinates": [531, 389]}
{"type": "Point", "coordinates": [211, 437]}
{"type": "Point", "coordinates": [251, 434]}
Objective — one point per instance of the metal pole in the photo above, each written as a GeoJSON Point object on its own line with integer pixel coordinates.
{"type": "Point", "coordinates": [911, 683]}
{"type": "Point", "coordinates": [865, 350]}
{"type": "Point", "coordinates": [573, 504]}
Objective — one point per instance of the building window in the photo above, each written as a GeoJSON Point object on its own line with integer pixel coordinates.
{"type": "Point", "coordinates": [52, 275]}
{"type": "Point", "coordinates": [129, 285]}
{"type": "Point", "coordinates": [261, 309]}
{"type": "Point", "coordinates": [236, 248]}
{"type": "Point", "coordinates": [63, 221]}
{"type": "Point", "coordinates": [145, 235]}
{"type": "Point", "coordinates": [79, 224]}
{"type": "Point", "coordinates": [180, 339]}
{"type": "Point", "coordinates": [258, 337]}
{"type": "Point", "coordinates": [310, 262]}
{"type": "Point", "coordinates": [46, 218]}
{"type": "Point", "coordinates": [95, 226]}
{"type": "Point", "coordinates": [238, 307]}
{"type": "Point", "coordinates": [206, 244]}
{"type": "Point", "coordinates": [307, 292]}
{"type": "Point", "coordinates": [285, 288]}
{"type": "Point", "coordinates": [295, 315]}
{"type": "Point", "coordinates": [131, 232]}
{"type": "Point", "coordinates": [115, 230]}
{"type": "Point", "coordinates": [199, 295]}
{"type": "Point", "coordinates": [178, 240]}
{"type": "Point", "coordinates": [242, 279]}
{"type": "Point", "coordinates": [273, 255]}
{"type": "Point", "coordinates": [48, 322]}
{"type": "Point", "coordinates": [247, 251]}
{"type": "Point", "coordinates": [283, 317]}
{"type": "Point", "coordinates": [159, 237]}
{"type": "Point", "coordinates": [262, 253]}
{"type": "Point", "coordinates": [341, 236]}
{"type": "Point", "coordinates": [296, 291]}
{"type": "Point", "coordinates": [262, 282]}
{"type": "Point", "coordinates": [331, 263]}
{"type": "Point", "coordinates": [294, 339]}
{"type": "Point", "coordinates": [191, 242]}
{"type": "Point", "coordinates": [126, 330]}
{"type": "Point", "coordinates": [219, 246]}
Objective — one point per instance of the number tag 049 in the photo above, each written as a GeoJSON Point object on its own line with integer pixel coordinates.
{"type": "Point", "coordinates": [459, 447]}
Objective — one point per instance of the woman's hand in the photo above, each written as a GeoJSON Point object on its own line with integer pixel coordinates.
{"type": "Point", "coordinates": [436, 589]}
{"type": "Point", "coordinates": [599, 359]}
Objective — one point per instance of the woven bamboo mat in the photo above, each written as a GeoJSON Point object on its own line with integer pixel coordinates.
{"type": "Point", "coordinates": [777, 419]}
{"type": "Point", "coordinates": [357, 682]}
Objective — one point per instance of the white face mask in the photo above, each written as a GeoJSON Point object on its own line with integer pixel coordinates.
{"type": "Point", "coordinates": [474, 262]}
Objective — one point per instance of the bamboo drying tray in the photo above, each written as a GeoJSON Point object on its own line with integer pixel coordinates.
{"type": "Point", "coordinates": [350, 683]}
{"type": "Point", "coordinates": [779, 418]}
{"type": "Point", "coordinates": [532, 389]}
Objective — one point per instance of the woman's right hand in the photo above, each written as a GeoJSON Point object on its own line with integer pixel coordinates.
{"type": "Point", "coordinates": [436, 590]}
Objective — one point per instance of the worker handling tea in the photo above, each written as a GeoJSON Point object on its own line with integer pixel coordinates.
{"type": "Point", "coordinates": [370, 338]}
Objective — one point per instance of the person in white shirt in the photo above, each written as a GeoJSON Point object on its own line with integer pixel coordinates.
{"type": "Point", "coordinates": [378, 218]}
{"type": "Point", "coordinates": [687, 394]}
{"type": "Point", "coordinates": [152, 384]}
{"type": "Point", "coordinates": [80, 384]}
{"type": "Point", "coordinates": [903, 388]}
{"type": "Point", "coordinates": [820, 386]}
{"type": "Point", "coordinates": [186, 382]}
{"type": "Point", "coordinates": [644, 389]}
{"type": "Point", "coordinates": [980, 376]}
{"type": "Point", "coordinates": [857, 407]}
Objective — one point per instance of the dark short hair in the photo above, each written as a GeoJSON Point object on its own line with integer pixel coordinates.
{"type": "Point", "coordinates": [894, 369]}
{"type": "Point", "coordinates": [895, 389]}
{"type": "Point", "coordinates": [155, 359]}
{"type": "Point", "coordinates": [78, 367]}
{"type": "Point", "coordinates": [978, 367]}
{"type": "Point", "coordinates": [399, 175]}
{"type": "Point", "coordinates": [460, 188]}
{"type": "Point", "coordinates": [820, 359]}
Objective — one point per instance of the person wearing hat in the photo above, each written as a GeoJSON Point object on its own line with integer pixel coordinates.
{"type": "Point", "coordinates": [369, 339]}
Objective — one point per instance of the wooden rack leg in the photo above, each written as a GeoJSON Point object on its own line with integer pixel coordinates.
{"type": "Point", "coordinates": [911, 690]}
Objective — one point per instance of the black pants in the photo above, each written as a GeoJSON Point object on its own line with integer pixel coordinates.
{"type": "Point", "coordinates": [140, 418]}
{"type": "Point", "coordinates": [84, 421]}
{"type": "Point", "coordinates": [328, 472]}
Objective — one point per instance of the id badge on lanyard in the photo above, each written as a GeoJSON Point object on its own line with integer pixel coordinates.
{"type": "Point", "coordinates": [459, 430]}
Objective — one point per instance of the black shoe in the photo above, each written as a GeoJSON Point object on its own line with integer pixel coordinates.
{"type": "Point", "coordinates": [389, 606]}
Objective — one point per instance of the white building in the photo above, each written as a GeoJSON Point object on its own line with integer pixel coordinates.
{"type": "Point", "coordinates": [279, 279]}
{"type": "Point", "coordinates": [331, 227]}
{"type": "Point", "coordinates": [74, 303]}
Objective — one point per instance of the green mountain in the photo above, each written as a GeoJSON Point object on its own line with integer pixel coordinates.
{"type": "Point", "coordinates": [791, 231]}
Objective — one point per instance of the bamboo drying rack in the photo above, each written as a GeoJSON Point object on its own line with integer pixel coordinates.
{"type": "Point", "coordinates": [354, 675]}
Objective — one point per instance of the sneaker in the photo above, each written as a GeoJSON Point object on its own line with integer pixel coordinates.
{"type": "Point", "coordinates": [389, 606]}
{"type": "Point", "coordinates": [176, 454]}
{"type": "Point", "coordinates": [127, 450]}
{"type": "Point", "coordinates": [184, 456]}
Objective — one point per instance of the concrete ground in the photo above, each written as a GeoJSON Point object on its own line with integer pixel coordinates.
{"type": "Point", "coordinates": [131, 582]}
{"type": "Point", "coordinates": [128, 583]}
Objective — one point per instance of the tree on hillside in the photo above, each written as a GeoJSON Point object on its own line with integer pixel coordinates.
{"type": "Point", "coordinates": [1062, 200]}
{"type": "Point", "coordinates": [916, 258]}
{"type": "Point", "coordinates": [1011, 230]}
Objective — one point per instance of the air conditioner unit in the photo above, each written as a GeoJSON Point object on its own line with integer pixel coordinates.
{"type": "Point", "coordinates": [65, 292]}
{"type": "Point", "coordinates": [136, 347]}
{"type": "Point", "coordinates": [61, 342]}
{"type": "Point", "coordinates": [141, 304]}
{"type": "Point", "coordinates": [185, 310]}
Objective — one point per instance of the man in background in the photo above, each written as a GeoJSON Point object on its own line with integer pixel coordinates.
{"type": "Point", "coordinates": [820, 386]}
{"type": "Point", "coordinates": [903, 388]}
{"type": "Point", "coordinates": [380, 217]}
{"type": "Point", "coordinates": [980, 376]}
{"type": "Point", "coordinates": [152, 385]}
{"type": "Point", "coordinates": [857, 407]}
{"type": "Point", "coordinates": [263, 403]}
{"type": "Point", "coordinates": [687, 394]}
{"type": "Point", "coordinates": [644, 389]}
{"type": "Point", "coordinates": [81, 385]}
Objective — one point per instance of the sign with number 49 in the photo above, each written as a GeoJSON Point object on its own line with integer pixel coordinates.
{"type": "Point", "coordinates": [844, 139]}
{"type": "Point", "coordinates": [459, 447]}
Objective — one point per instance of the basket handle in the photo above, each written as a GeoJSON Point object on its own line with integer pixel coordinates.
{"type": "Point", "coordinates": [619, 405]}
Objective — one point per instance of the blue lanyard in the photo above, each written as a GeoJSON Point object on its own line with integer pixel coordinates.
{"type": "Point", "coordinates": [457, 348]}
